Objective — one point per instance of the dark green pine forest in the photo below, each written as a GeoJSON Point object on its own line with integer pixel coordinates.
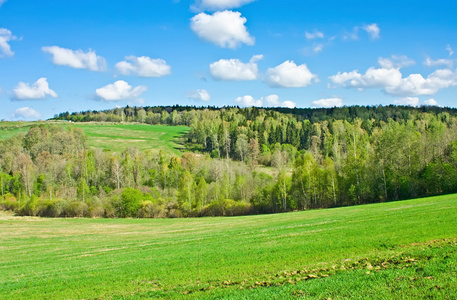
{"type": "Point", "coordinates": [233, 161]}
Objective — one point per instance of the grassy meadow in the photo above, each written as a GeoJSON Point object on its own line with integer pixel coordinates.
{"type": "Point", "coordinates": [114, 136]}
{"type": "Point", "coordinates": [404, 249]}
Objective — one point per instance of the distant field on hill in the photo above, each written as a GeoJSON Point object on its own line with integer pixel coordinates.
{"type": "Point", "coordinates": [114, 136]}
{"type": "Point", "coordinates": [404, 249]}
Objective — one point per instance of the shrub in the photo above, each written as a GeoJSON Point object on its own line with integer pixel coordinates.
{"type": "Point", "coordinates": [30, 208]}
{"type": "Point", "coordinates": [50, 208]}
{"type": "Point", "coordinates": [227, 207]}
{"type": "Point", "coordinates": [110, 212]}
{"type": "Point", "coordinates": [76, 209]}
{"type": "Point", "coordinates": [149, 209]}
{"type": "Point", "coordinates": [9, 203]}
{"type": "Point", "coordinates": [130, 202]}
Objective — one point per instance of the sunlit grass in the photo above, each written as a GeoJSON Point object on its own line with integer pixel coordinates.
{"type": "Point", "coordinates": [102, 258]}
{"type": "Point", "coordinates": [114, 136]}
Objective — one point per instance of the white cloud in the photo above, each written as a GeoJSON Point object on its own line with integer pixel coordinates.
{"type": "Point", "coordinates": [432, 102]}
{"type": "Point", "coordinates": [269, 101]}
{"type": "Point", "coordinates": [223, 28]}
{"type": "Point", "coordinates": [248, 101]}
{"type": "Point", "coordinates": [316, 34]}
{"type": "Point", "coordinates": [354, 35]}
{"type": "Point", "coordinates": [120, 90]}
{"type": "Point", "coordinates": [6, 36]}
{"type": "Point", "coordinates": [272, 100]}
{"type": "Point", "coordinates": [143, 66]}
{"type": "Point", "coordinates": [219, 4]}
{"type": "Point", "coordinates": [373, 77]}
{"type": "Point", "coordinates": [200, 95]}
{"type": "Point", "coordinates": [396, 62]}
{"type": "Point", "coordinates": [391, 79]}
{"type": "Point", "coordinates": [373, 30]}
{"type": "Point", "coordinates": [409, 101]}
{"type": "Point", "coordinates": [439, 62]}
{"type": "Point", "coordinates": [329, 102]}
{"type": "Point", "coordinates": [318, 48]}
{"type": "Point", "coordinates": [415, 84]}
{"type": "Point", "coordinates": [449, 49]}
{"type": "Point", "coordinates": [234, 69]}
{"type": "Point", "coordinates": [26, 113]}
{"type": "Point", "coordinates": [77, 59]}
{"type": "Point", "coordinates": [289, 104]}
{"type": "Point", "coordinates": [288, 74]}
{"type": "Point", "coordinates": [38, 90]}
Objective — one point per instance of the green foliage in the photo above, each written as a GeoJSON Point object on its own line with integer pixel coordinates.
{"type": "Point", "coordinates": [130, 202]}
{"type": "Point", "coordinates": [76, 209]}
{"type": "Point", "coordinates": [440, 178]}
{"type": "Point", "coordinates": [313, 158]}
{"type": "Point", "coordinates": [9, 202]}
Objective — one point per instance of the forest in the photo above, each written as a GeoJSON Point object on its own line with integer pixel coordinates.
{"type": "Point", "coordinates": [237, 161]}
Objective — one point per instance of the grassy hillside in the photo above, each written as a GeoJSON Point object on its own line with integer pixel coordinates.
{"type": "Point", "coordinates": [113, 136]}
{"type": "Point", "coordinates": [388, 250]}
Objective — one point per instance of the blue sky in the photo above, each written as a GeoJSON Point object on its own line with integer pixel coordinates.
{"type": "Point", "coordinates": [58, 56]}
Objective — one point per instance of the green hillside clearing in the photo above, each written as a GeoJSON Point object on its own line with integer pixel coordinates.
{"type": "Point", "coordinates": [114, 136]}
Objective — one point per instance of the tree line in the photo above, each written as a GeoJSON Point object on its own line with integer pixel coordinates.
{"type": "Point", "coordinates": [244, 161]}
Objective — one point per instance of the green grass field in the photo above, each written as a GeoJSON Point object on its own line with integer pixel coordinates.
{"type": "Point", "coordinates": [114, 136]}
{"type": "Point", "coordinates": [403, 250]}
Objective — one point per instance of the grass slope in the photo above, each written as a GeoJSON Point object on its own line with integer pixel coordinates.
{"type": "Point", "coordinates": [216, 257]}
{"type": "Point", "coordinates": [114, 136]}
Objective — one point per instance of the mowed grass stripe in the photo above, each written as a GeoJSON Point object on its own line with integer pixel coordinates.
{"type": "Point", "coordinates": [89, 258]}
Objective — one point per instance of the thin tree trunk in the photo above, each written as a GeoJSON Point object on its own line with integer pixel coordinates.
{"type": "Point", "coordinates": [304, 194]}
{"type": "Point", "coordinates": [385, 183]}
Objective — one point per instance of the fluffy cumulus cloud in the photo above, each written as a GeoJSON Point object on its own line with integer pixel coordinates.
{"type": "Point", "coordinates": [38, 90]}
{"type": "Point", "coordinates": [391, 80]}
{"type": "Point", "coordinates": [373, 77]}
{"type": "Point", "coordinates": [234, 69]}
{"type": "Point", "coordinates": [199, 95]}
{"type": "Point", "coordinates": [223, 28]}
{"type": "Point", "coordinates": [432, 102]}
{"type": "Point", "coordinates": [6, 36]}
{"type": "Point", "coordinates": [77, 59]}
{"type": "Point", "coordinates": [328, 102]}
{"type": "Point", "coordinates": [120, 90]}
{"type": "Point", "coordinates": [26, 113]}
{"type": "Point", "coordinates": [248, 101]}
{"type": "Point", "coordinates": [271, 101]}
{"type": "Point", "coordinates": [289, 75]}
{"type": "Point", "coordinates": [409, 101]}
{"type": "Point", "coordinates": [373, 30]}
{"type": "Point", "coordinates": [288, 104]}
{"type": "Point", "coordinates": [416, 84]}
{"type": "Point", "coordinates": [219, 4]}
{"type": "Point", "coordinates": [143, 66]}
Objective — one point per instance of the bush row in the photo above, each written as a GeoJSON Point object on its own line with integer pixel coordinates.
{"type": "Point", "coordinates": [126, 203]}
